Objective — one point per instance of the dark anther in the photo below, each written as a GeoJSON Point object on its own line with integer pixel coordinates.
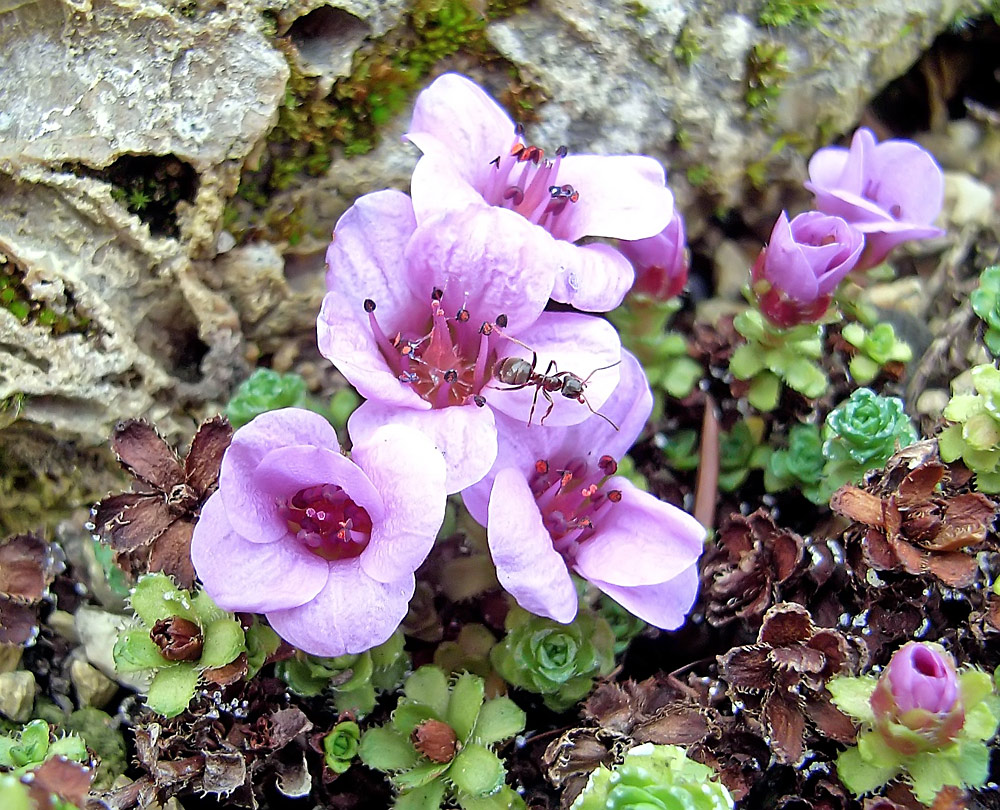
{"type": "Point", "coordinates": [562, 151]}
{"type": "Point", "coordinates": [462, 316]}
{"type": "Point", "coordinates": [479, 400]}
{"type": "Point", "coordinates": [437, 294]}
{"type": "Point", "coordinates": [495, 162]}
{"type": "Point", "coordinates": [615, 495]}
{"type": "Point", "coordinates": [408, 377]}
{"type": "Point", "coordinates": [369, 305]}
{"type": "Point", "coordinates": [519, 129]}
{"type": "Point", "coordinates": [450, 376]}
{"type": "Point", "coordinates": [486, 328]}
{"type": "Point", "coordinates": [542, 466]}
{"type": "Point", "coordinates": [515, 194]}
{"type": "Point", "coordinates": [607, 465]}
{"type": "Point", "coordinates": [502, 321]}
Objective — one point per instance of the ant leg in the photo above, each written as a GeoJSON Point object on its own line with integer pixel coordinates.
{"type": "Point", "coordinates": [583, 399]}
{"type": "Point", "coordinates": [548, 410]}
{"type": "Point", "coordinates": [602, 368]}
{"type": "Point", "coordinates": [534, 402]}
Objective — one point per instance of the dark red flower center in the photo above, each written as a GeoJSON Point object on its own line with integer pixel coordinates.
{"type": "Point", "coordinates": [572, 500]}
{"type": "Point", "coordinates": [448, 365]}
{"type": "Point", "coordinates": [327, 521]}
{"type": "Point", "coordinates": [525, 182]}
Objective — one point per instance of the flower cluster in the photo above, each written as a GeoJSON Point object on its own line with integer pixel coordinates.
{"type": "Point", "coordinates": [437, 313]}
{"type": "Point", "coordinates": [869, 199]}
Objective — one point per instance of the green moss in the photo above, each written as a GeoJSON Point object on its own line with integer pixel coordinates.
{"type": "Point", "coordinates": [687, 48]}
{"type": "Point", "coordinates": [58, 317]}
{"type": "Point", "coordinates": [780, 13]}
{"type": "Point", "coordinates": [385, 75]}
{"type": "Point", "coordinates": [766, 71]}
{"type": "Point", "coordinates": [699, 175]}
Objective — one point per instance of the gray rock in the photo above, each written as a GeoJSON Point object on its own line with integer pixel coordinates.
{"type": "Point", "coordinates": [616, 86]}
{"type": "Point", "coordinates": [93, 688]}
{"type": "Point", "coordinates": [17, 695]}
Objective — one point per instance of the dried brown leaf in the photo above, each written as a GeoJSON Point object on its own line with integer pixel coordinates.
{"type": "Point", "coordinates": [58, 776]}
{"type": "Point", "coordinates": [146, 455]}
{"type": "Point", "coordinates": [24, 573]}
{"type": "Point", "coordinates": [129, 521]}
{"type": "Point", "coordinates": [747, 668]}
{"type": "Point", "coordinates": [205, 457]}
{"type": "Point", "coordinates": [786, 623]}
{"type": "Point", "coordinates": [785, 727]}
{"type": "Point", "coordinates": [858, 505]}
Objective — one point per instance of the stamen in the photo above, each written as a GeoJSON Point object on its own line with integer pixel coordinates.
{"type": "Point", "coordinates": [388, 350]}
{"type": "Point", "coordinates": [607, 465]}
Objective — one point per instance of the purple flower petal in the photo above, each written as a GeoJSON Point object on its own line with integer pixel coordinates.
{"type": "Point", "coordinates": [285, 471]}
{"type": "Point", "coordinates": [594, 278]}
{"type": "Point", "coordinates": [664, 605]}
{"type": "Point", "coordinates": [639, 541]}
{"type": "Point", "coordinates": [585, 345]}
{"type": "Point", "coordinates": [621, 196]}
{"type": "Point", "coordinates": [351, 614]}
{"type": "Point", "coordinates": [528, 567]}
{"type": "Point", "coordinates": [439, 185]}
{"type": "Point", "coordinates": [487, 259]}
{"type": "Point", "coordinates": [466, 436]}
{"type": "Point", "coordinates": [407, 469]}
{"type": "Point", "coordinates": [251, 512]}
{"type": "Point", "coordinates": [455, 119]}
{"type": "Point", "coordinates": [252, 577]}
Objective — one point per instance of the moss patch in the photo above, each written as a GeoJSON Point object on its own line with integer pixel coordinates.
{"type": "Point", "coordinates": [312, 128]}
{"type": "Point", "coordinates": [58, 317]}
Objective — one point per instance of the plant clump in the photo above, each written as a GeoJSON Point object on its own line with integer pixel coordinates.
{"type": "Point", "coordinates": [654, 776]}
{"type": "Point", "coordinates": [183, 638]}
{"type": "Point", "coordinates": [876, 349]}
{"type": "Point", "coordinates": [985, 300]}
{"type": "Point", "coordinates": [974, 435]}
{"type": "Point", "coordinates": [557, 661]}
{"type": "Point", "coordinates": [353, 680]}
{"type": "Point", "coordinates": [439, 744]}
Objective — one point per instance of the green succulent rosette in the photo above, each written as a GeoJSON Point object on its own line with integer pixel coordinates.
{"type": "Point", "coordinates": [876, 347]}
{"type": "Point", "coordinates": [341, 745]}
{"type": "Point", "coordinates": [353, 680]}
{"type": "Point", "coordinates": [962, 761]}
{"type": "Point", "coordinates": [654, 777]}
{"type": "Point", "coordinates": [624, 625]}
{"type": "Point", "coordinates": [265, 390]}
{"type": "Point", "coordinates": [557, 661]}
{"type": "Point", "coordinates": [33, 744]}
{"type": "Point", "coordinates": [741, 450]}
{"type": "Point", "coordinates": [773, 356]}
{"type": "Point", "coordinates": [985, 302]}
{"type": "Point", "coordinates": [438, 746]}
{"type": "Point", "coordinates": [179, 636]}
{"type": "Point", "coordinates": [798, 466]}
{"type": "Point", "coordinates": [861, 434]}
{"type": "Point", "coordinates": [975, 435]}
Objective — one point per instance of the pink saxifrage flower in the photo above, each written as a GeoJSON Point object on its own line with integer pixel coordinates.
{"type": "Point", "coordinates": [411, 320]}
{"type": "Point", "coordinates": [474, 155]}
{"type": "Point", "coordinates": [917, 701]}
{"type": "Point", "coordinates": [890, 191]}
{"type": "Point", "coordinates": [660, 262]}
{"type": "Point", "coordinates": [323, 545]}
{"type": "Point", "coordinates": [552, 504]}
{"type": "Point", "coordinates": [804, 261]}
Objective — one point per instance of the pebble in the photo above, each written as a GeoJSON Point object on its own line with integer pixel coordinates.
{"type": "Point", "coordinates": [93, 687]}
{"type": "Point", "coordinates": [17, 695]}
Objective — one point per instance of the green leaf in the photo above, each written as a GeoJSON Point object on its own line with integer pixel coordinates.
{"type": "Point", "coordinates": [950, 443]}
{"type": "Point", "coordinates": [929, 773]}
{"type": "Point", "coordinates": [681, 376]}
{"type": "Point", "coordinates": [261, 642]}
{"type": "Point", "coordinates": [859, 776]}
{"type": "Point", "coordinates": [156, 597]}
{"type": "Point", "coordinates": [503, 799]}
{"type": "Point", "coordinates": [361, 673]}
{"type": "Point", "coordinates": [206, 610]}
{"type": "Point", "coordinates": [863, 369]}
{"type": "Point", "coordinates": [135, 651]}
{"type": "Point", "coordinates": [463, 708]}
{"type": "Point", "coordinates": [172, 689]}
{"type": "Point", "coordinates": [429, 686]}
{"type": "Point", "coordinates": [386, 750]}
{"type": "Point", "coordinates": [428, 797]}
{"type": "Point", "coordinates": [499, 719]}
{"type": "Point", "coordinates": [854, 333]}
{"type": "Point", "coordinates": [981, 431]}
{"type": "Point", "coordinates": [853, 696]}
{"type": "Point", "coordinates": [746, 361]}
{"type": "Point", "coordinates": [764, 391]}
{"type": "Point", "coordinates": [992, 340]}
{"type": "Point", "coordinates": [961, 406]}
{"type": "Point", "coordinates": [70, 746]}
{"type": "Point", "coordinates": [807, 378]}
{"type": "Point", "coordinates": [420, 775]}
{"type": "Point", "coordinates": [408, 716]}
{"type": "Point", "coordinates": [224, 641]}
{"type": "Point", "coordinates": [980, 721]}
{"type": "Point", "coordinates": [477, 771]}
{"type": "Point", "coordinates": [973, 763]}
{"type": "Point", "coordinates": [360, 701]}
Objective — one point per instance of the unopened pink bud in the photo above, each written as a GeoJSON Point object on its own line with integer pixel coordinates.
{"type": "Point", "coordinates": [660, 262]}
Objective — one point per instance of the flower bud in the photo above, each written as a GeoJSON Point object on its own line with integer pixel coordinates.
{"type": "Point", "coordinates": [178, 639]}
{"type": "Point", "coordinates": [436, 740]}
{"type": "Point", "coordinates": [917, 702]}
{"type": "Point", "coordinates": [805, 260]}
{"type": "Point", "coordinates": [660, 262]}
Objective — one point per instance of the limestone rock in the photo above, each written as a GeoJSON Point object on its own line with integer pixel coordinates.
{"type": "Point", "coordinates": [617, 85]}
{"type": "Point", "coordinates": [93, 688]}
{"type": "Point", "coordinates": [17, 695]}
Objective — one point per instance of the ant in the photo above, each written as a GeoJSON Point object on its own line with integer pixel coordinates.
{"type": "Point", "coordinates": [517, 373]}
